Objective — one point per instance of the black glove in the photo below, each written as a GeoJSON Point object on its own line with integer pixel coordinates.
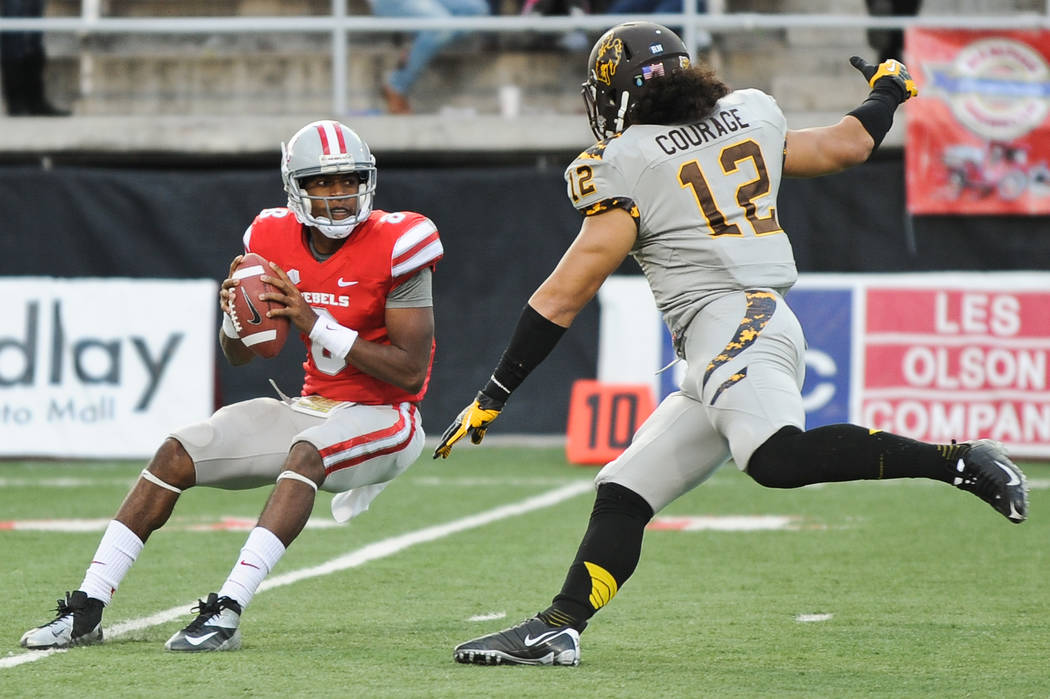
{"type": "Point", "coordinates": [889, 74]}
{"type": "Point", "coordinates": [473, 420]}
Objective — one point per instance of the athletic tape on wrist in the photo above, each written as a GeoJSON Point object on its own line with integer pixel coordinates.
{"type": "Point", "coordinates": [228, 328]}
{"type": "Point", "coordinates": [334, 337]}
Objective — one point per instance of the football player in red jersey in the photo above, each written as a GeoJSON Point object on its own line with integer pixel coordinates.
{"type": "Point", "coordinates": [356, 283]}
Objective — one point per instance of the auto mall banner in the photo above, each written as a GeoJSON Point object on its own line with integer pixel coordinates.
{"type": "Point", "coordinates": [931, 356]}
{"type": "Point", "coordinates": [103, 368]}
{"type": "Point", "coordinates": [979, 131]}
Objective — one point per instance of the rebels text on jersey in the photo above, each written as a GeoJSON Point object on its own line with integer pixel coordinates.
{"type": "Point", "coordinates": [350, 287]}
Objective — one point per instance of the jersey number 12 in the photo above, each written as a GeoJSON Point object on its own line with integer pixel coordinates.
{"type": "Point", "coordinates": [690, 175]}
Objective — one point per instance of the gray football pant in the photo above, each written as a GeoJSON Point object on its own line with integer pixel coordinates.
{"type": "Point", "coordinates": [746, 362]}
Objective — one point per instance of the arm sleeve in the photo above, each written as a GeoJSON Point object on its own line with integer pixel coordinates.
{"type": "Point", "coordinates": [414, 292]}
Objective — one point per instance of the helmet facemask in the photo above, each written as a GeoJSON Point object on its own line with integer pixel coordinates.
{"type": "Point", "coordinates": [327, 148]}
{"type": "Point", "coordinates": [606, 116]}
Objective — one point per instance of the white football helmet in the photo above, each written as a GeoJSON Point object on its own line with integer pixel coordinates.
{"type": "Point", "coordinates": [322, 148]}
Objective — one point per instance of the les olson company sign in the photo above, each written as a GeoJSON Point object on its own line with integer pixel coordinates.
{"type": "Point", "coordinates": [931, 356]}
{"type": "Point", "coordinates": [103, 367]}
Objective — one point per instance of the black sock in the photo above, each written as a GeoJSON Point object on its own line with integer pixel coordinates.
{"type": "Point", "coordinates": [607, 556]}
{"type": "Point", "coordinates": [792, 458]}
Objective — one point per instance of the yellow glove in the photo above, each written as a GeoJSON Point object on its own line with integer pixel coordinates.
{"type": "Point", "coordinates": [895, 72]}
{"type": "Point", "coordinates": [473, 420]}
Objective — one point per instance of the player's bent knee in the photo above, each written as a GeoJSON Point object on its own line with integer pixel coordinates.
{"type": "Point", "coordinates": [292, 475]}
{"type": "Point", "coordinates": [171, 467]}
{"type": "Point", "coordinates": [304, 464]}
{"type": "Point", "coordinates": [613, 497]}
{"type": "Point", "coordinates": [775, 464]}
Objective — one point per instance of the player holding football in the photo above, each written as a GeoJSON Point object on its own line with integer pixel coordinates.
{"type": "Point", "coordinates": [356, 283]}
{"type": "Point", "coordinates": [684, 178]}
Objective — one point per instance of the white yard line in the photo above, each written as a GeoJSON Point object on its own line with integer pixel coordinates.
{"type": "Point", "coordinates": [372, 552]}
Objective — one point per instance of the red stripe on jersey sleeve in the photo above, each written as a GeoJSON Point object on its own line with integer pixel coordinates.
{"type": "Point", "coordinates": [414, 250]}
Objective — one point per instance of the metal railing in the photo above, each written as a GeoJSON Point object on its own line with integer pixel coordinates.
{"type": "Point", "coordinates": [340, 25]}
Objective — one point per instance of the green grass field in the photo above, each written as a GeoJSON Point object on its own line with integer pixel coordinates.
{"type": "Point", "coordinates": [916, 590]}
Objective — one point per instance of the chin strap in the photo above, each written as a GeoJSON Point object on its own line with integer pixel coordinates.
{"type": "Point", "coordinates": [622, 112]}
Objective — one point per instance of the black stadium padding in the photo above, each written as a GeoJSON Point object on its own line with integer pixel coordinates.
{"type": "Point", "coordinates": [503, 229]}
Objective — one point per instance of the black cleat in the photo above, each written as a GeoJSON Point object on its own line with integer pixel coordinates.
{"type": "Point", "coordinates": [215, 628]}
{"type": "Point", "coordinates": [986, 471]}
{"type": "Point", "coordinates": [79, 623]}
{"type": "Point", "coordinates": [532, 642]}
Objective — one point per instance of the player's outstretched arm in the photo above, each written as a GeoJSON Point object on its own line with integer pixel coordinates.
{"type": "Point", "coordinates": [828, 149]}
{"type": "Point", "coordinates": [601, 245]}
{"type": "Point", "coordinates": [533, 339]}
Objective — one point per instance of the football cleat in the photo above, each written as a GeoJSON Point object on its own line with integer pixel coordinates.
{"type": "Point", "coordinates": [215, 628]}
{"type": "Point", "coordinates": [79, 623]}
{"type": "Point", "coordinates": [986, 471]}
{"type": "Point", "coordinates": [532, 642]}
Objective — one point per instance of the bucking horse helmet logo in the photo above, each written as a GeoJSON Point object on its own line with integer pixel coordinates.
{"type": "Point", "coordinates": [610, 54]}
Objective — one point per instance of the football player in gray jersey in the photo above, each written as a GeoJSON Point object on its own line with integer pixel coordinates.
{"type": "Point", "coordinates": [684, 178]}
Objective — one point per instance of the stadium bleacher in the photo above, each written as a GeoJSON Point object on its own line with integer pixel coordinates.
{"type": "Point", "coordinates": [242, 92]}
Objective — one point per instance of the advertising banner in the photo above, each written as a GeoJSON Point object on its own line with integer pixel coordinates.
{"type": "Point", "coordinates": [935, 357]}
{"type": "Point", "coordinates": [979, 131]}
{"type": "Point", "coordinates": [958, 359]}
{"type": "Point", "coordinates": [103, 368]}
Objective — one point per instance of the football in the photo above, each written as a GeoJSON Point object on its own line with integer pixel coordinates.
{"type": "Point", "coordinates": [263, 336]}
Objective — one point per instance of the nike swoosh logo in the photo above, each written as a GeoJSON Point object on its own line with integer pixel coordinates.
{"type": "Point", "coordinates": [200, 639]}
{"type": "Point", "coordinates": [246, 563]}
{"type": "Point", "coordinates": [340, 282]}
{"type": "Point", "coordinates": [256, 318]}
{"type": "Point", "coordinates": [1014, 480]}
{"type": "Point", "coordinates": [530, 641]}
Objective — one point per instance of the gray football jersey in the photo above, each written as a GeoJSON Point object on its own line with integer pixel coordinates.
{"type": "Point", "coordinates": [704, 198]}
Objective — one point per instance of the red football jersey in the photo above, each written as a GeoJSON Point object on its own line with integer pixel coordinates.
{"type": "Point", "coordinates": [350, 287]}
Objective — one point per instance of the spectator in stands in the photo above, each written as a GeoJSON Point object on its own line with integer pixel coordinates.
{"type": "Point", "coordinates": [557, 7]}
{"type": "Point", "coordinates": [425, 44]}
{"type": "Point", "coordinates": [890, 42]}
{"type": "Point", "coordinates": [22, 61]}
{"type": "Point", "coordinates": [631, 7]}
{"type": "Point", "coordinates": [577, 39]}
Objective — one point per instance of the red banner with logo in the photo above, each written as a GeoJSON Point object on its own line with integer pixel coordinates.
{"type": "Point", "coordinates": [979, 131]}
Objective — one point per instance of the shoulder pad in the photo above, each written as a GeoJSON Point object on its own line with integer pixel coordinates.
{"type": "Point", "coordinates": [596, 151]}
{"type": "Point", "coordinates": [417, 245]}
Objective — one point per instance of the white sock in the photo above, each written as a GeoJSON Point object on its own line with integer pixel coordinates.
{"type": "Point", "coordinates": [260, 554]}
{"type": "Point", "coordinates": [116, 552]}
